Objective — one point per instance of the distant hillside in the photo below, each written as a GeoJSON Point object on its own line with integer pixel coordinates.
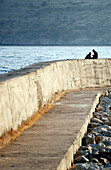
{"type": "Point", "coordinates": [55, 22]}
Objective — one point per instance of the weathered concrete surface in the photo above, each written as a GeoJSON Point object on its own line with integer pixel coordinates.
{"type": "Point", "coordinates": [23, 92]}
{"type": "Point", "coordinates": [51, 142]}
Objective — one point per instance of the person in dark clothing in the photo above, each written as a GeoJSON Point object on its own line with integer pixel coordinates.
{"type": "Point", "coordinates": [88, 56]}
{"type": "Point", "coordinates": [95, 55]}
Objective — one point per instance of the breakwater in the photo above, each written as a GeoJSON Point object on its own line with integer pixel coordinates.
{"type": "Point", "coordinates": [25, 91]}
{"type": "Point", "coordinates": [95, 151]}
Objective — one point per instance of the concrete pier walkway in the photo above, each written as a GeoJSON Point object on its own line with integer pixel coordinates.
{"type": "Point", "coordinates": [51, 142]}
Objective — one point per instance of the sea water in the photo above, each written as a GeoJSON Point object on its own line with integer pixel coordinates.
{"type": "Point", "coordinates": [15, 57]}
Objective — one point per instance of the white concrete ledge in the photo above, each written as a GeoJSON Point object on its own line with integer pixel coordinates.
{"type": "Point", "coordinates": [24, 91]}
{"type": "Point", "coordinates": [69, 156]}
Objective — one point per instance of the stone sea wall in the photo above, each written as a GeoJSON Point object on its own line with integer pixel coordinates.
{"type": "Point", "coordinates": [24, 91]}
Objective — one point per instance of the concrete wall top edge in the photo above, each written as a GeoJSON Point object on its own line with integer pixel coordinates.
{"type": "Point", "coordinates": [36, 66]}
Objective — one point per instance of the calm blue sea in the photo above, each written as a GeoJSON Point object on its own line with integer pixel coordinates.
{"type": "Point", "coordinates": [15, 57]}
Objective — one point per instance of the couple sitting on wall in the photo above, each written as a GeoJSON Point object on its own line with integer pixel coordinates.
{"type": "Point", "coordinates": [95, 55]}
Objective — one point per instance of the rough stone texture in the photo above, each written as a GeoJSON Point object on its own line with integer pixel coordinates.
{"type": "Point", "coordinates": [24, 91]}
{"type": "Point", "coordinates": [51, 142]}
{"type": "Point", "coordinates": [96, 143]}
